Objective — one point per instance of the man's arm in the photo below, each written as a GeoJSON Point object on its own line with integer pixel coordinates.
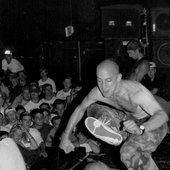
{"type": "Point", "coordinates": [74, 119]}
{"type": "Point", "coordinates": [152, 107]}
{"type": "Point", "coordinates": [140, 71]}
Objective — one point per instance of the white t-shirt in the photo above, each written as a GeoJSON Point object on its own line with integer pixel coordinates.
{"type": "Point", "coordinates": [50, 102]}
{"type": "Point", "coordinates": [36, 135]}
{"type": "Point", "coordinates": [30, 105]}
{"type": "Point", "coordinates": [63, 95]}
{"type": "Point", "coordinates": [48, 81]}
{"type": "Point", "coordinates": [14, 66]}
{"type": "Point", "coordinates": [11, 157]}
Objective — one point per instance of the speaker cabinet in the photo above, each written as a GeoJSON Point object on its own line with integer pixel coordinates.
{"type": "Point", "coordinates": [160, 23]}
{"type": "Point", "coordinates": [121, 21]}
{"type": "Point", "coordinates": [161, 52]}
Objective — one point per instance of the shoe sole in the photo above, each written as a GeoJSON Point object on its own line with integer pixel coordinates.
{"type": "Point", "coordinates": [103, 132]}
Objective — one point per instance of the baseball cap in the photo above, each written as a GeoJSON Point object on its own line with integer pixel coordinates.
{"type": "Point", "coordinates": [34, 88]}
{"type": "Point", "coordinates": [9, 109]}
{"type": "Point", "coordinates": [152, 64]}
{"type": "Point", "coordinates": [7, 52]}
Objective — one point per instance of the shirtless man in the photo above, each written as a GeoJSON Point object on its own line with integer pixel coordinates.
{"type": "Point", "coordinates": [132, 99]}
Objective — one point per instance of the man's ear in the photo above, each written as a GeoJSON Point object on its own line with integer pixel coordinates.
{"type": "Point", "coordinates": [119, 77]}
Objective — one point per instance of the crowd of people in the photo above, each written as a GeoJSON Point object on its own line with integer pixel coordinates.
{"type": "Point", "coordinates": [44, 121]}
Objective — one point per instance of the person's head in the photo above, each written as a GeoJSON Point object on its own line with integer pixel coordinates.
{"type": "Point", "coordinates": [81, 137]}
{"type": "Point", "coordinates": [34, 92]}
{"type": "Point", "coordinates": [26, 120]}
{"type": "Point", "coordinates": [152, 69]}
{"type": "Point", "coordinates": [67, 83]}
{"type": "Point", "coordinates": [26, 93]}
{"type": "Point", "coordinates": [22, 74]}
{"type": "Point", "coordinates": [96, 166]}
{"type": "Point", "coordinates": [108, 77]}
{"type": "Point", "coordinates": [10, 113]}
{"type": "Point", "coordinates": [43, 72]}
{"type": "Point", "coordinates": [14, 79]}
{"type": "Point", "coordinates": [8, 55]}
{"type": "Point", "coordinates": [133, 49]}
{"type": "Point", "coordinates": [45, 106]}
{"type": "Point", "coordinates": [47, 90]}
{"type": "Point", "coordinates": [38, 117]}
{"type": "Point", "coordinates": [19, 109]}
{"type": "Point", "coordinates": [56, 121]}
{"type": "Point", "coordinates": [16, 133]}
{"type": "Point", "coordinates": [59, 106]}
{"type": "Point", "coordinates": [47, 115]}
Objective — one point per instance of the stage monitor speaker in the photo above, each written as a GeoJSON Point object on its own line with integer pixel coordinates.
{"type": "Point", "coordinates": [160, 23]}
{"type": "Point", "coordinates": [161, 52]}
{"type": "Point", "coordinates": [121, 21]}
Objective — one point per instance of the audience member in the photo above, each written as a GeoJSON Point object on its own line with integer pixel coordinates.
{"type": "Point", "coordinates": [35, 101]}
{"type": "Point", "coordinates": [48, 95]}
{"type": "Point", "coordinates": [66, 91]}
{"type": "Point", "coordinates": [9, 64]}
{"type": "Point", "coordinates": [23, 98]}
{"type": "Point", "coordinates": [38, 123]}
{"type": "Point", "coordinates": [10, 113]}
{"type": "Point", "coordinates": [59, 107]}
{"type": "Point", "coordinates": [55, 122]}
{"type": "Point", "coordinates": [46, 80]}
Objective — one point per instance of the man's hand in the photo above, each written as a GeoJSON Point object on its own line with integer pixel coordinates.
{"type": "Point", "coordinates": [66, 144]}
{"type": "Point", "coordinates": [132, 127]}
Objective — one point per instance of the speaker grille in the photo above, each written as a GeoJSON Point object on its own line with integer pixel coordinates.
{"type": "Point", "coordinates": [121, 21]}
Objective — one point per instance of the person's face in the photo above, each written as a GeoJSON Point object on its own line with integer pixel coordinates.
{"type": "Point", "coordinates": [82, 138]}
{"type": "Point", "coordinates": [26, 95]}
{"type": "Point", "coordinates": [11, 116]}
{"type": "Point", "coordinates": [60, 109]}
{"type": "Point", "coordinates": [34, 95]}
{"type": "Point", "coordinates": [19, 112]}
{"type": "Point", "coordinates": [22, 82]}
{"type": "Point", "coordinates": [17, 135]}
{"type": "Point", "coordinates": [67, 84]}
{"type": "Point", "coordinates": [133, 54]}
{"type": "Point", "coordinates": [46, 117]}
{"type": "Point", "coordinates": [43, 73]}
{"type": "Point", "coordinates": [14, 81]}
{"type": "Point", "coordinates": [48, 91]}
{"type": "Point", "coordinates": [152, 72]}
{"type": "Point", "coordinates": [8, 58]}
{"type": "Point", "coordinates": [56, 123]}
{"type": "Point", "coordinates": [107, 81]}
{"type": "Point", "coordinates": [26, 122]}
{"type": "Point", "coordinates": [39, 119]}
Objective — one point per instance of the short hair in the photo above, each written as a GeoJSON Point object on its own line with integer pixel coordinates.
{"type": "Point", "coordinates": [42, 104]}
{"type": "Point", "coordinates": [36, 111]}
{"type": "Point", "coordinates": [23, 114]}
{"type": "Point", "coordinates": [46, 85]}
{"type": "Point", "coordinates": [59, 101]}
{"type": "Point", "coordinates": [55, 118]}
{"type": "Point", "coordinates": [20, 107]}
{"type": "Point", "coordinates": [133, 45]}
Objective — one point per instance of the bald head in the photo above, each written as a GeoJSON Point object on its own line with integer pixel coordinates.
{"type": "Point", "coordinates": [96, 166]}
{"type": "Point", "coordinates": [108, 65]}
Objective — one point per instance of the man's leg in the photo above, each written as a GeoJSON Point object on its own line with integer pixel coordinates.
{"type": "Point", "coordinates": [136, 151]}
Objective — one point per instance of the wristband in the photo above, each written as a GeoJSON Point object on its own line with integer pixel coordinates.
{"type": "Point", "coordinates": [142, 128]}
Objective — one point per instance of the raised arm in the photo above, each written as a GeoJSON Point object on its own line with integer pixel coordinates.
{"type": "Point", "coordinates": [77, 115]}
